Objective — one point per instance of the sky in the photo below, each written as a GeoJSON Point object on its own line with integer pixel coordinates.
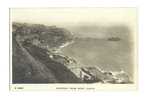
{"type": "Point", "coordinates": [74, 18]}
{"type": "Point", "coordinates": [70, 16]}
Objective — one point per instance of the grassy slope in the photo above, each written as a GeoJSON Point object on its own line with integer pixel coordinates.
{"type": "Point", "coordinates": [32, 65]}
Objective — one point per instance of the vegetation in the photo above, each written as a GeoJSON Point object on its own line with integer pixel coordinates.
{"type": "Point", "coordinates": [30, 61]}
{"type": "Point", "coordinates": [47, 36]}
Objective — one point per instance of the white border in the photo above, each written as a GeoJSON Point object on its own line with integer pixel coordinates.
{"type": "Point", "coordinates": [141, 94]}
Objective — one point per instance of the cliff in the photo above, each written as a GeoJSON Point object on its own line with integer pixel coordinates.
{"type": "Point", "coordinates": [31, 63]}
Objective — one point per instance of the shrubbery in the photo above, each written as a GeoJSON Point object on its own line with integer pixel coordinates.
{"type": "Point", "coordinates": [50, 36]}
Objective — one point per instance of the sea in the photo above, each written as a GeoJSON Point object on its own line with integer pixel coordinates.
{"type": "Point", "coordinates": [105, 54]}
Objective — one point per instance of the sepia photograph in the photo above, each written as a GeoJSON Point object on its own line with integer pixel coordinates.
{"type": "Point", "coordinates": [73, 46]}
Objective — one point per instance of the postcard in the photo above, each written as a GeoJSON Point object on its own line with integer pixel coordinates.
{"type": "Point", "coordinates": [73, 49]}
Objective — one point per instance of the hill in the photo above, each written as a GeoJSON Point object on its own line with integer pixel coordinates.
{"type": "Point", "coordinates": [30, 62]}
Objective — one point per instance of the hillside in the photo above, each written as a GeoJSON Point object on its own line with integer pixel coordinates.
{"type": "Point", "coordinates": [30, 61]}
